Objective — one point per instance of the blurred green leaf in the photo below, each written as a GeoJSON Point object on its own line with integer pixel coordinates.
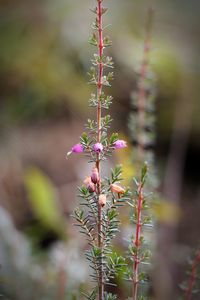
{"type": "Point", "coordinates": [43, 199]}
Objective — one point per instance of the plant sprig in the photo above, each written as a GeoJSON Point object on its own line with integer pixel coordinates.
{"type": "Point", "coordinates": [98, 219]}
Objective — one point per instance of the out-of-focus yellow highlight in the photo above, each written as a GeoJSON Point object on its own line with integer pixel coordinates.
{"type": "Point", "coordinates": [167, 212]}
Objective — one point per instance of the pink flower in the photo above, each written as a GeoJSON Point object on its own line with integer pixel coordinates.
{"type": "Point", "coordinates": [119, 144]}
{"type": "Point", "coordinates": [115, 188]}
{"type": "Point", "coordinates": [102, 200]}
{"type": "Point", "coordinates": [98, 147]}
{"type": "Point", "coordinates": [89, 184]}
{"type": "Point", "coordinates": [78, 148]}
{"type": "Point", "coordinates": [95, 176]}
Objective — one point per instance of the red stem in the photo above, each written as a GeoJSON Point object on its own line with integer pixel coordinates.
{"type": "Point", "coordinates": [99, 93]}
{"type": "Point", "coordinates": [193, 276]}
{"type": "Point", "coordinates": [141, 124]}
{"type": "Point", "coordinates": [143, 73]}
{"type": "Point", "coordinates": [137, 243]}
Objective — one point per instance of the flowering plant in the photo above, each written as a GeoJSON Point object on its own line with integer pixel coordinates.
{"type": "Point", "coordinates": [100, 196]}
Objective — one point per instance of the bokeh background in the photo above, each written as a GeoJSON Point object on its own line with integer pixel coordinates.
{"type": "Point", "coordinates": [44, 58]}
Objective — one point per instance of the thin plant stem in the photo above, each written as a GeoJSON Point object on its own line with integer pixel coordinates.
{"type": "Point", "coordinates": [99, 93]}
{"type": "Point", "coordinates": [137, 243]}
{"type": "Point", "coordinates": [193, 276]}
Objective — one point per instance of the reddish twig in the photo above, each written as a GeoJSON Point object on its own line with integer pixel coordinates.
{"type": "Point", "coordinates": [193, 276]}
{"type": "Point", "coordinates": [137, 242]}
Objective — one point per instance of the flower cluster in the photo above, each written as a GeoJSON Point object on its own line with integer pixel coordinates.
{"type": "Point", "coordinates": [98, 147]}
{"type": "Point", "coordinates": [91, 182]}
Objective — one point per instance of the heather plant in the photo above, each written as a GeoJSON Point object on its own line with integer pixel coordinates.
{"type": "Point", "coordinates": [139, 250]}
{"type": "Point", "coordinates": [139, 254]}
{"type": "Point", "coordinates": [141, 125]}
{"type": "Point", "coordinates": [97, 216]}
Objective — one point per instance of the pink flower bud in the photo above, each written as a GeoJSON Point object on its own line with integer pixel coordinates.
{"type": "Point", "coordinates": [117, 189]}
{"type": "Point", "coordinates": [89, 184]}
{"type": "Point", "coordinates": [98, 147]}
{"type": "Point", "coordinates": [95, 176]}
{"type": "Point", "coordinates": [91, 187]}
{"type": "Point", "coordinates": [102, 200]}
{"type": "Point", "coordinates": [78, 148]}
{"type": "Point", "coordinates": [119, 144]}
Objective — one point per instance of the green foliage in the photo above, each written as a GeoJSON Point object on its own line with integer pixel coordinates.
{"type": "Point", "coordinates": [85, 227]}
{"type": "Point", "coordinates": [116, 174]}
{"type": "Point", "coordinates": [143, 174]}
{"type": "Point", "coordinates": [113, 138]}
{"type": "Point", "coordinates": [109, 296]}
{"type": "Point", "coordinates": [106, 79]}
{"type": "Point", "coordinates": [107, 41]}
{"type": "Point", "coordinates": [93, 40]}
{"type": "Point", "coordinates": [84, 139]}
{"type": "Point", "coordinates": [87, 221]}
{"type": "Point", "coordinates": [116, 265]}
{"type": "Point", "coordinates": [106, 61]}
{"type": "Point", "coordinates": [93, 76]}
{"type": "Point", "coordinates": [92, 295]}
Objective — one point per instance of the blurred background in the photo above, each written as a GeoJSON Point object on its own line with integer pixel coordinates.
{"type": "Point", "coordinates": [44, 58]}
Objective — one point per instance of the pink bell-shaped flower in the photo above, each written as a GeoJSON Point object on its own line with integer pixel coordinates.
{"type": "Point", "coordinates": [119, 144]}
{"type": "Point", "coordinates": [77, 148]}
{"type": "Point", "coordinates": [98, 147]}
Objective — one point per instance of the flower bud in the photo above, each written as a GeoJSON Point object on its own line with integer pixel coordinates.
{"type": "Point", "coordinates": [77, 148]}
{"type": "Point", "coordinates": [98, 147]}
{"type": "Point", "coordinates": [102, 200]}
{"type": "Point", "coordinates": [119, 144]}
{"type": "Point", "coordinates": [91, 187]}
{"type": "Point", "coordinates": [117, 189]}
{"type": "Point", "coordinates": [95, 176]}
{"type": "Point", "coordinates": [89, 184]}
